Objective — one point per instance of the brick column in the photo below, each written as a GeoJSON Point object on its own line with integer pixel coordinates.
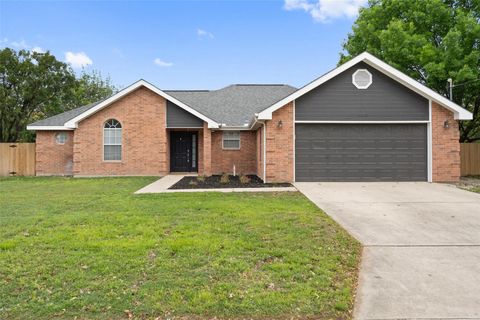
{"type": "Point", "coordinates": [280, 144]}
{"type": "Point", "coordinates": [445, 146]}
{"type": "Point", "coordinates": [207, 150]}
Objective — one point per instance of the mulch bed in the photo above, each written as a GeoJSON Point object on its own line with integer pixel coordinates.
{"type": "Point", "coordinates": [213, 182]}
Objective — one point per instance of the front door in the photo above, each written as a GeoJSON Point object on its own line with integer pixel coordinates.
{"type": "Point", "coordinates": [183, 151]}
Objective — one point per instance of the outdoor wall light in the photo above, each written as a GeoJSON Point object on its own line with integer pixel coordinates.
{"type": "Point", "coordinates": [280, 124]}
{"type": "Point", "coordinates": [446, 125]}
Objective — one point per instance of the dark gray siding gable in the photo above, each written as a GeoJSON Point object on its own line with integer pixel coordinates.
{"type": "Point", "coordinates": [338, 99]}
{"type": "Point", "coordinates": [179, 118]}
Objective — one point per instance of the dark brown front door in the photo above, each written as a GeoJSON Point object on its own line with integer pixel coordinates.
{"type": "Point", "coordinates": [183, 151]}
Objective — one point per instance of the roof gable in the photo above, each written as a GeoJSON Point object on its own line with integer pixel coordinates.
{"type": "Point", "coordinates": [459, 112]}
{"type": "Point", "coordinates": [73, 123]}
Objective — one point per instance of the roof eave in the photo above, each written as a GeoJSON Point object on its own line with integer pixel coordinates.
{"type": "Point", "coordinates": [40, 128]}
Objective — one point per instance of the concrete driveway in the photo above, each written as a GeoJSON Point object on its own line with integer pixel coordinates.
{"type": "Point", "coordinates": [421, 257]}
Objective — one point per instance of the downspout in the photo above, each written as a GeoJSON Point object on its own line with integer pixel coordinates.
{"type": "Point", "coordinates": [264, 132]}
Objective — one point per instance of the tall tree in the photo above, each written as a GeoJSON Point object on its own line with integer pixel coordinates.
{"type": "Point", "coordinates": [431, 41]}
{"type": "Point", "coordinates": [31, 83]}
{"type": "Point", "coordinates": [91, 87]}
{"type": "Point", "coordinates": [36, 85]}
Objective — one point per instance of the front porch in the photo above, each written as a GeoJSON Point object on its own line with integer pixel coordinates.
{"type": "Point", "coordinates": [203, 151]}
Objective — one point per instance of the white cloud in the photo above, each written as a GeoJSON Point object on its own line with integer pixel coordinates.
{"type": "Point", "coordinates": [38, 50]}
{"type": "Point", "coordinates": [159, 62]}
{"type": "Point", "coordinates": [204, 34]}
{"type": "Point", "coordinates": [326, 10]}
{"type": "Point", "coordinates": [78, 60]}
{"type": "Point", "coordinates": [19, 44]}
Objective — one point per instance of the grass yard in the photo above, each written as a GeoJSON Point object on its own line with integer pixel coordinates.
{"type": "Point", "coordinates": [89, 248]}
{"type": "Point", "coordinates": [470, 183]}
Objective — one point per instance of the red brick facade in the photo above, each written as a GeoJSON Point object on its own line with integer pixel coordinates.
{"type": "Point", "coordinates": [144, 138]}
{"type": "Point", "coordinates": [280, 145]}
{"type": "Point", "coordinates": [146, 150]}
{"type": "Point", "coordinates": [243, 159]}
{"type": "Point", "coordinates": [53, 158]}
{"type": "Point", "coordinates": [206, 151]}
{"type": "Point", "coordinates": [445, 146]}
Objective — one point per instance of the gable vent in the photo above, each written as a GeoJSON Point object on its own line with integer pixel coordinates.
{"type": "Point", "coordinates": [362, 79]}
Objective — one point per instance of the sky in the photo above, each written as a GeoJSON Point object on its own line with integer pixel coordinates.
{"type": "Point", "coordinates": [185, 44]}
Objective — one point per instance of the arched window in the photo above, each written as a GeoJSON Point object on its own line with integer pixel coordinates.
{"type": "Point", "coordinates": [112, 140]}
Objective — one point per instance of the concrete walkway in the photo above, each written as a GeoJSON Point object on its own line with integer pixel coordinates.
{"type": "Point", "coordinates": [421, 257]}
{"type": "Point", "coordinates": [162, 185]}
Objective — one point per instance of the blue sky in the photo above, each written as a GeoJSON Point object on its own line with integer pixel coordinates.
{"type": "Point", "coordinates": [186, 44]}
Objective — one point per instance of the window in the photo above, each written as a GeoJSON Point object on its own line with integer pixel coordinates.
{"type": "Point", "coordinates": [194, 150]}
{"type": "Point", "coordinates": [61, 137]}
{"type": "Point", "coordinates": [112, 140]}
{"type": "Point", "coordinates": [231, 139]}
{"type": "Point", "coordinates": [362, 79]}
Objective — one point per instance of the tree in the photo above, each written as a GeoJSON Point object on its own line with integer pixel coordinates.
{"type": "Point", "coordinates": [36, 85]}
{"type": "Point", "coordinates": [31, 83]}
{"type": "Point", "coordinates": [429, 40]}
{"type": "Point", "coordinates": [91, 87]}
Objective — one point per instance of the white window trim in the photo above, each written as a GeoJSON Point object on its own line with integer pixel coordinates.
{"type": "Point", "coordinates": [239, 140]}
{"type": "Point", "coordinates": [103, 142]}
{"type": "Point", "coordinates": [359, 86]}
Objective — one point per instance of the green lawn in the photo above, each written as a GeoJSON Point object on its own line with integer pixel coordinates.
{"type": "Point", "coordinates": [92, 249]}
{"type": "Point", "coordinates": [476, 189]}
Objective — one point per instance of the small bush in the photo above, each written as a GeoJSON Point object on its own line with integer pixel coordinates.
{"type": "Point", "coordinates": [244, 179]}
{"type": "Point", "coordinates": [193, 183]}
{"type": "Point", "coordinates": [225, 178]}
{"type": "Point", "coordinates": [201, 178]}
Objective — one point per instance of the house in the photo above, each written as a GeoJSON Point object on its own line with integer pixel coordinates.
{"type": "Point", "coordinates": [363, 121]}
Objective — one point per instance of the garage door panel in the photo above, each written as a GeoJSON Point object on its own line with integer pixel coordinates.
{"type": "Point", "coordinates": [361, 152]}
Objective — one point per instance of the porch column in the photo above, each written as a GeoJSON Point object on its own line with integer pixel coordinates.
{"type": "Point", "coordinates": [207, 150]}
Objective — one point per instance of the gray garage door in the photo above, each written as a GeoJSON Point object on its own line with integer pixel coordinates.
{"type": "Point", "coordinates": [361, 152]}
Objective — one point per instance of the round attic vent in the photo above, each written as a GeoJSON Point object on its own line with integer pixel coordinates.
{"type": "Point", "coordinates": [362, 79]}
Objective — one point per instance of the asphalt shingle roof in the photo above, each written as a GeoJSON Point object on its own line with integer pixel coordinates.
{"type": "Point", "coordinates": [61, 118]}
{"type": "Point", "coordinates": [234, 105]}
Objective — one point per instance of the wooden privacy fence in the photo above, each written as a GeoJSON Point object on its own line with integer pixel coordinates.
{"type": "Point", "coordinates": [17, 159]}
{"type": "Point", "coordinates": [470, 159]}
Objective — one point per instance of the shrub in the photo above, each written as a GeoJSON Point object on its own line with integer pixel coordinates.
{"type": "Point", "coordinates": [201, 178]}
{"type": "Point", "coordinates": [225, 178]}
{"type": "Point", "coordinates": [244, 179]}
{"type": "Point", "coordinates": [193, 183]}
